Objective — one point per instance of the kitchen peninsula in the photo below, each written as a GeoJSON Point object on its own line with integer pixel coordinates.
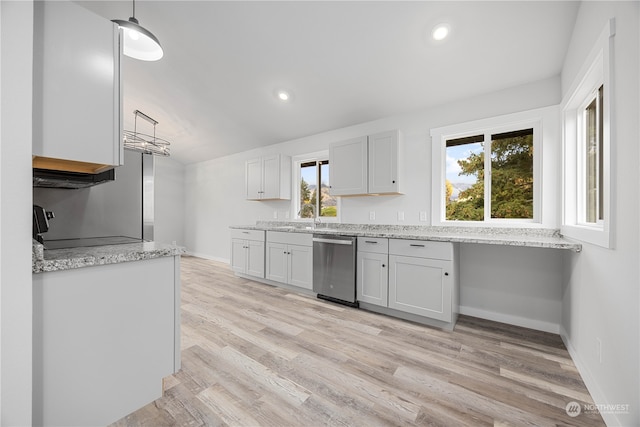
{"type": "Point", "coordinates": [106, 330]}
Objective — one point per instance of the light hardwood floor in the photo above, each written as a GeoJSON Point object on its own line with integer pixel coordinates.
{"type": "Point", "coordinates": [254, 354]}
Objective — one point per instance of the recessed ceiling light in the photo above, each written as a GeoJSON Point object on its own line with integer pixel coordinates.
{"type": "Point", "coordinates": [440, 32]}
{"type": "Point", "coordinates": [283, 95]}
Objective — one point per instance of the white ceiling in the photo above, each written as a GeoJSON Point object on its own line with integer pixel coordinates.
{"type": "Point", "coordinates": [345, 63]}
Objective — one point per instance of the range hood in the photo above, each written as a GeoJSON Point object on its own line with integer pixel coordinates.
{"type": "Point", "coordinates": [57, 173]}
{"type": "Point", "coordinates": [72, 180]}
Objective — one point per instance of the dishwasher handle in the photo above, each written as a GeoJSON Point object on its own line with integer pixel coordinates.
{"type": "Point", "coordinates": [333, 241]}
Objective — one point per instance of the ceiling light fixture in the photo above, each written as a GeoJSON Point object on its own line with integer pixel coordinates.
{"type": "Point", "coordinates": [283, 95]}
{"type": "Point", "coordinates": [145, 143]}
{"type": "Point", "coordinates": [139, 43]}
{"type": "Point", "coordinates": [440, 32]}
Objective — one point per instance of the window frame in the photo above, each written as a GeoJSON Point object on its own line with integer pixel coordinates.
{"type": "Point", "coordinates": [297, 161]}
{"type": "Point", "coordinates": [532, 119]}
{"type": "Point", "coordinates": [596, 72]}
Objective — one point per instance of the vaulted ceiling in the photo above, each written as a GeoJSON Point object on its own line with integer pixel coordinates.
{"type": "Point", "coordinates": [344, 62]}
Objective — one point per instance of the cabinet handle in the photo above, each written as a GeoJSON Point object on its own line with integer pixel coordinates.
{"type": "Point", "coordinates": [285, 252]}
{"type": "Point", "coordinates": [383, 265]}
{"type": "Point", "coordinates": [393, 182]}
{"type": "Point", "coordinates": [245, 232]}
{"type": "Point", "coordinates": [416, 246]}
{"type": "Point", "coordinates": [371, 241]}
{"type": "Point", "coordinates": [446, 274]}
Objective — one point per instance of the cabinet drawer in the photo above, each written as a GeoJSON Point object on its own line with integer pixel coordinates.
{"type": "Point", "coordinates": [257, 235]}
{"type": "Point", "coordinates": [376, 245]}
{"type": "Point", "coordinates": [421, 249]}
{"type": "Point", "coordinates": [302, 239]}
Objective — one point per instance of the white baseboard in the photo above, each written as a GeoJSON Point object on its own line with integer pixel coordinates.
{"type": "Point", "coordinates": [596, 393]}
{"type": "Point", "coordinates": [538, 325]}
{"type": "Point", "coordinates": [212, 258]}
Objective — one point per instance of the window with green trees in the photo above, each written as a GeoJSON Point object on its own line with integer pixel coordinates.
{"type": "Point", "coordinates": [315, 200]}
{"type": "Point", "coordinates": [490, 175]}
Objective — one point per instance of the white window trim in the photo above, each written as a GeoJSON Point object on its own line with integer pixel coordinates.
{"type": "Point", "coordinates": [596, 71]}
{"type": "Point", "coordinates": [522, 120]}
{"type": "Point", "coordinates": [295, 179]}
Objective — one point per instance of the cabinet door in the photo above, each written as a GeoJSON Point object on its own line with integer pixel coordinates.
{"type": "Point", "coordinates": [348, 163]}
{"type": "Point", "coordinates": [78, 93]}
{"type": "Point", "coordinates": [300, 266]}
{"type": "Point", "coordinates": [253, 179]}
{"type": "Point", "coordinates": [277, 258]}
{"type": "Point", "coordinates": [421, 286]}
{"type": "Point", "coordinates": [383, 162]}
{"type": "Point", "coordinates": [238, 255]}
{"type": "Point", "coordinates": [255, 258]}
{"type": "Point", "coordinates": [373, 278]}
{"type": "Point", "coordinates": [271, 177]}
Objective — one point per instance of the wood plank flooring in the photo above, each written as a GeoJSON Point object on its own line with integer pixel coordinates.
{"type": "Point", "coordinates": [256, 355]}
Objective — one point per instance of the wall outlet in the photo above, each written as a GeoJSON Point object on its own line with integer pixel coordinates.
{"type": "Point", "coordinates": [400, 216]}
{"type": "Point", "coordinates": [599, 350]}
{"type": "Point", "coordinates": [275, 214]}
{"type": "Point", "coordinates": [423, 216]}
{"type": "Point", "coordinates": [372, 216]}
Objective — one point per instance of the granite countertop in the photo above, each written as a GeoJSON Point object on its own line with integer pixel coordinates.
{"type": "Point", "coordinates": [528, 237]}
{"type": "Point", "coordinates": [66, 259]}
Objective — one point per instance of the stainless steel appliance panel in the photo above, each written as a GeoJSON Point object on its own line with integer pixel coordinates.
{"type": "Point", "coordinates": [334, 268]}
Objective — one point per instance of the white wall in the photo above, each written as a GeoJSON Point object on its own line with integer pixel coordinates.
{"type": "Point", "coordinates": [16, 47]}
{"type": "Point", "coordinates": [600, 290]}
{"type": "Point", "coordinates": [169, 201]}
{"type": "Point", "coordinates": [215, 200]}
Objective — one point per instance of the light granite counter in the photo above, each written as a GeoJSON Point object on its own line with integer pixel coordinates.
{"type": "Point", "coordinates": [526, 237]}
{"type": "Point", "coordinates": [66, 259]}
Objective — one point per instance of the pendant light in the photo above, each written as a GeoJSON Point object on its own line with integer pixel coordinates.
{"type": "Point", "coordinates": [139, 43]}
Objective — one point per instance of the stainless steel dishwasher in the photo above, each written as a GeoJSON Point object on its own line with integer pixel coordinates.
{"type": "Point", "coordinates": [334, 268]}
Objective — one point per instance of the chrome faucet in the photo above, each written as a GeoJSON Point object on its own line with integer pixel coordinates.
{"type": "Point", "coordinates": [316, 222]}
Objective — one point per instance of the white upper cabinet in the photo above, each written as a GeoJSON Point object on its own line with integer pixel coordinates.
{"type": "Point", "coordinates": [383, 163]}
{"type": "Point", "coordinates": [268, 178]}
{"type": "Point", "coordinates": [77, 93]}
{"type": "Point", "coordinates": [348, 163]}
{"type": "Point", "coordinates": [365, 165]}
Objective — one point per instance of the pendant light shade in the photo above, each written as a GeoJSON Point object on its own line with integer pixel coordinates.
{"type": "Point", "coordinates": [139, 43]}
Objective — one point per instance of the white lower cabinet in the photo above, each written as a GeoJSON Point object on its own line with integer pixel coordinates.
{"type": "Point", "coordinates": [420, 286]}
{"type": "Point", "coordinates": [372, 271]}
{"type": "Point", "coordinates": [247, 252]}
{"type": "Point", "coordinates": [423, 278]}
{"type": "Point", "coordinates": [290, 258]}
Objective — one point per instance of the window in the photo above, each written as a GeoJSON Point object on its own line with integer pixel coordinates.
{"type": "Point", "coordinates": [313, 199]}
{"type": "Point", "coordinates": [486, 172]}
{"type": "Point", "coordinates": [593, 152]}
{"type": "Point", "coordinates": [586, 144]}
{"type": "Point", "coordinates": [507, 159]}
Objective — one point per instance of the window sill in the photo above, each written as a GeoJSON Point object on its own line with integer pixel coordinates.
{"type": "Point", "coordinates": [594, 235]}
